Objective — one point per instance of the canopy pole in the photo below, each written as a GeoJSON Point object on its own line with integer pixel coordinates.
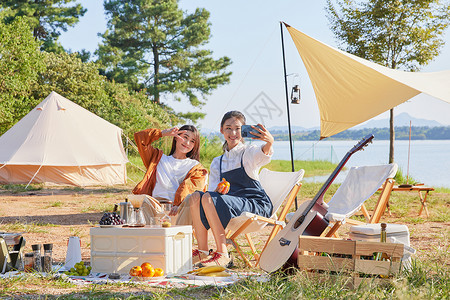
{"type": "Point", "coordinates": [409, 151]}
{"type": "Point", "coordinates": [287, 106]}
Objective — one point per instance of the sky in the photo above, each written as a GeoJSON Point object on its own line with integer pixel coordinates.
{"type": "Point", "coordinates": [249, 33]}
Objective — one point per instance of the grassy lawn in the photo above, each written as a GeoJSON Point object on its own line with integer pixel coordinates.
{"type": "Point", "coordinates": [423, 281]}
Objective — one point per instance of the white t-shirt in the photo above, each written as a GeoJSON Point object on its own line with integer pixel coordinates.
{"type": "Point", "coordinates": [254, 158]}
{"type": "Point", "coordinates": [170, 172]}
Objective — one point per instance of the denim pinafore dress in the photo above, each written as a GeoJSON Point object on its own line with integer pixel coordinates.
{"type": "Point", "coordinates": [245, 195]}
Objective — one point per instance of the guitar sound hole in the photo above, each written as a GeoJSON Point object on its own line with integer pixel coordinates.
{"type": "Point", "coordinates": [299, 222]}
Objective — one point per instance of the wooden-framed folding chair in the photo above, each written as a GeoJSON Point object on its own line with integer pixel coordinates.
{"type": "Point", "coordinates": [281, 187]}
{"type": "Point", "coordinates": [358, 186]}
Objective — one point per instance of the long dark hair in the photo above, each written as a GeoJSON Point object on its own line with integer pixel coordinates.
{"type": "Point", "coordinates": [195, 152]}
{"type": "Point", "coordinates": [231, 114]}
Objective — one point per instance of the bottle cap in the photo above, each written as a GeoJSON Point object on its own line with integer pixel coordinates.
{"type": "Point", "coordinates": [36, 247]}
{"type": "Point", "coordinates": [29, 254]}
{"type": "Point", "coordinates": [383, 225]}
{"type": "Point", "coordinates": [114, 276]}
{"type": "Point", "coordinates": [48, 247]}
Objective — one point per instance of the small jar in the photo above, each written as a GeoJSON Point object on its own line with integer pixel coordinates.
{"type": "Point", "coordinates": [28, 263]}
{"type": "Point", "coordinates": [47, 260]}
{"type": "Point", "coordinates": [37, 263]}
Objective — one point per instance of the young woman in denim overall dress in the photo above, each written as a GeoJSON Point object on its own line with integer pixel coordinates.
{"type": "Point", "coordinates": [239, 165]}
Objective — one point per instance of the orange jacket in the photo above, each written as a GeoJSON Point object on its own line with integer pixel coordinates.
{"type": "Point", "coordinates": [194, 180]}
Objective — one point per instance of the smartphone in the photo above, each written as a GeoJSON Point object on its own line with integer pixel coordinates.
{"type": "Point", "coordinates": [245, 131]}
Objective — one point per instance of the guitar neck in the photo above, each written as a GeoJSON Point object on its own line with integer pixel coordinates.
{"type": "Point", "coordinates": [327, 184]}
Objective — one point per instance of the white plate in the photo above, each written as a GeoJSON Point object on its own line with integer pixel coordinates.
{"type": "Point", "coordinates": [110, 226]}
{"type": "Point", "coordinates": [140, 278]}
{"type": "Point", "coordinates": [210, 278]}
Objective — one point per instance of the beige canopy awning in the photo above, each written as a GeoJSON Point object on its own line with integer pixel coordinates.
{"type": "Point", "coordinates": [351, 90]}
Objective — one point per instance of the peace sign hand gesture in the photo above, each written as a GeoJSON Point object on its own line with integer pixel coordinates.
{"type": "Point", "coordinates": [173, 132]}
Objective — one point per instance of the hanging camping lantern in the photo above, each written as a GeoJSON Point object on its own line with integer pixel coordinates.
{"type": "Point", "coordinates": [295, 94]}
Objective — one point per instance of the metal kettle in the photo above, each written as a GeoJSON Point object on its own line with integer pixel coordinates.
{"type": "Point", "coordinates": [125, 209]}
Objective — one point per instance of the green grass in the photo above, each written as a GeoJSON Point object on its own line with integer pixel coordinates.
{"type": "Point", "coordinates": [405, 206]}
{"type": "Point", "coordinates": [135, 170]}
{"type": "Point", "coordinates": [75, 231]}
{"type": "Point", "coordinates": [98, 207]}
{"type": "Point", "coordinates": [20, 188]}
{"type": "Point", "coordinates": [26, 227]}
{"type": "Point", "coordinates": [422, 282]}
{"type": "Point", "coordinates": [312, 168]}
{"type": "Point", "coordinates": [427, 279]}
{"type": "Point", "coordinates": [55, 204]}
{"type": "Point", "coordinates": [442, 190]}
{"type": "Point", "coordinates": [401, 178]}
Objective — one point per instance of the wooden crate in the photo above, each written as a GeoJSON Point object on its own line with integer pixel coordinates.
{"type": "Point", "coordinates": [352, 258]}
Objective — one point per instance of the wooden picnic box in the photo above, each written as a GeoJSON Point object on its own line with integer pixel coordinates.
{"type": "Point", "coordinates": [353, 258]}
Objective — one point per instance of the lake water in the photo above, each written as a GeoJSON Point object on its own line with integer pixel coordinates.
{"type": "Point", "coordinates": [429, 161]}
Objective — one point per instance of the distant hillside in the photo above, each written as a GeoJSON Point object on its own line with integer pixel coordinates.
{"type": "Point", "coordinates": [422, 129]}
{"type": "Point", "coordinates": [293, 129]}
{"type": "Point", "coordinates": [401, 133]}
{"type": "Point", "coordinates": [400, 120]}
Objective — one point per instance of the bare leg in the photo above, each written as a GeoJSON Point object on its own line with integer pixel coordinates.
{"type": "Point", "coordinates": [200, 230]}
{"type": "Point", "coordinates": [214, 222]}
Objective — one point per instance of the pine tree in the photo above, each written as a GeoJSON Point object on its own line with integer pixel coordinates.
{"type": "Point", "coordinates": [49, 18]}
{"type": "Point", "coordinates": [155, 46]}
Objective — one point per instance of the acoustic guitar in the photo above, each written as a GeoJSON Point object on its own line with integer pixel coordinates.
{"type": "Point", "coordinates": [307, 220]}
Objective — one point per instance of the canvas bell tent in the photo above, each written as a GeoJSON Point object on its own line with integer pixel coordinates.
{"type": "Point", "coordinates": [61, 143]}
{"type": "Point", "coordinates": [351, 90]}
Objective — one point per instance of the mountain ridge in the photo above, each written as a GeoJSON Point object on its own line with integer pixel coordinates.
{"type": "Point", "coordinates": [402, 119]}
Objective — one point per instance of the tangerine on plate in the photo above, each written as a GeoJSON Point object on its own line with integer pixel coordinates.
{"type": "Point", "coordinates": [159, 272]}
{"type": "Point", "coordinates": [136, 271]}
{"type": "Point", "coordinates": [148, 271]}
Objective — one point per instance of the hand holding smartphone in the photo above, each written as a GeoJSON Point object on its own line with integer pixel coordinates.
{"type": "Point", "coordinates": [245, 131]}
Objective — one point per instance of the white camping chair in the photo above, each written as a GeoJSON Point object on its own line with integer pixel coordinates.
{"type": "Point", "coordinates": [359, 185]}
{"type": "Point", "coordinates": [279, 186]}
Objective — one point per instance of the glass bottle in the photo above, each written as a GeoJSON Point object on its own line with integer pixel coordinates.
{"type": "Point", "coordinates": [47, 258]}
{"type": "Point", "coordinates": [382, 240]}
{"type": "Point", "coordinates": [28, 263]}
{"type": "Point", "coordinates": [37, 264]}
{"type": "Point", "coordinates": [383, 233]}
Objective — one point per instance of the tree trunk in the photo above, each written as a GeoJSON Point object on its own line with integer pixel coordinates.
{"type": "Point", "coordinates": [392, 136]}
{"type": "Point", "coordinates": [156, 70]}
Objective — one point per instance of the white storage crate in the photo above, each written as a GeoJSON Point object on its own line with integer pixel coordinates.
{"type": "Point", "coordinates": [117, 250]}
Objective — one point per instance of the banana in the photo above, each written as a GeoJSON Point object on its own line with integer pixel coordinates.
{"type": "Point", "coordinates": [211, 269]}
{"type": "Point", "coordinates": [218, 274]}
{"type": "Point", "coordinates": [196, 271]}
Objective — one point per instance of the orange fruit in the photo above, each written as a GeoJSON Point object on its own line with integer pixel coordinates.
{"type": "Point", "coordinates": [146, 264]}
{"type": "Point", "coordinates": [148, 271]}
{"type": "Point", "coordinates": [136, 271]}
{"type": "Point", "coordinates": [223, 187]}
{"type": "Point", "coordinates": [159, 272]}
